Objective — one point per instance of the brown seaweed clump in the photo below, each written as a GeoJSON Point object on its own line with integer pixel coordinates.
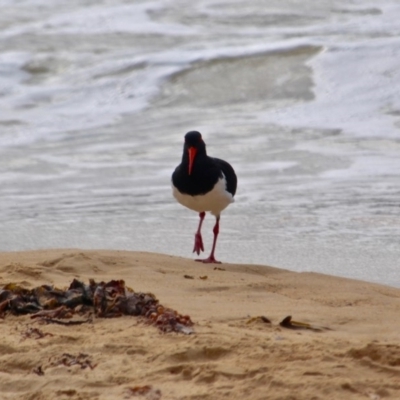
{"type": "Point", "coordinates": [104, 300]}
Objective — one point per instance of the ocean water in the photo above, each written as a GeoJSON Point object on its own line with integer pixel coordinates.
{"type": "Point", "coordinates": [301, 97]}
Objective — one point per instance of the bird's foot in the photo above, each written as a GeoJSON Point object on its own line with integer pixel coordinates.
{"type": "Point", "coordinates": [198, 244]}
{"type": "Point", "coordinates": [209, 260]}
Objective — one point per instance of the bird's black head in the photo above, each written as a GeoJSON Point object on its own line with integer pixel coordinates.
{"type": "Point", "coordinates": [194, 139]}
{"type": "Point", "coordinates": [194, 146]}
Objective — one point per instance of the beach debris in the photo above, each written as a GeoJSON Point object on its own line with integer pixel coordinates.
{"type": "Point", "coordinates": [46, 320]}
{"type": "Point", "coordinates": [34, 333]}
{"type": "Point", "coordinates": [219, 269]}
{"type": "Point", "coordinates": [69, 360]}
{"type": "Point", "coordinates": [288, 323]}
{"type": "Point", "coordinates": [49, 304]}
{"type": "Point", "coordinates": [169, 320]}
{"type": "Point", "coordinates": [259, 318]}
{"type": "Point", "coordinates": [147, 391]}
{"type": "Point", "coordinates": [140, 389]}
{"type": "Point", "coordinates": [38, 370]}
{"type": "Point", "coordinates": [59, 312]}
{"type": "Point", "coordinates": [187, 330]}
{"type": "Point", "coordinates": [192, 277]}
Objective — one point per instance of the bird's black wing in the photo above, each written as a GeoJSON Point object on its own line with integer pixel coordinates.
{"type": "Point", "coordinates": [230, 176]}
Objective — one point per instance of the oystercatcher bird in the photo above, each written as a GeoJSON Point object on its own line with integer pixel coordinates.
{"type": "Point", "coordinates": [203, 183]}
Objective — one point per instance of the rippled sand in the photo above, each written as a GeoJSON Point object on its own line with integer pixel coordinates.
{"type": "Point", "coordinates": [352, 354]}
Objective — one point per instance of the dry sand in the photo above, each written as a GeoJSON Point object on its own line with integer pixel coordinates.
{"type": "Point", "coordinates": [230, 356]}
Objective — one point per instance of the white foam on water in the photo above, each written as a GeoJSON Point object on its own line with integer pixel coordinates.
{"type": "Point", "coordinates": [106, 18]}
{"type": "Point", "coordinates": [355, 89]}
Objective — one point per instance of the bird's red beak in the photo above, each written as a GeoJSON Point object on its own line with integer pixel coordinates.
{"type": "Point", "coordinates": [192, 154]}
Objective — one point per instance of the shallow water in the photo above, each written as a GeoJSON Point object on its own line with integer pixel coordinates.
{"type": "Point", "coordinates": [302, 99]}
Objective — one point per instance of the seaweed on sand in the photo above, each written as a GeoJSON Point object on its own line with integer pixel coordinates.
{"type": "Point", "coordinates": [104, 300]}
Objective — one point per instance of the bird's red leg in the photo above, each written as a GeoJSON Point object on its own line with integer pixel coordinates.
{"type": "Point", "coordinates": [198, 240]}
{"type": "Point", "coordinates": [211, 257]}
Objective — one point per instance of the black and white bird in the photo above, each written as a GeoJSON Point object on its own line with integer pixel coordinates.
{"type": "Point", "coordinates": [202, 183]}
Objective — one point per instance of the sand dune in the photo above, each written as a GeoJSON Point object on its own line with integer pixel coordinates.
{"type": "Point", "coordinates": [354, 352]}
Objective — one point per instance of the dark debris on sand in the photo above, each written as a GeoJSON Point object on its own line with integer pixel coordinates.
{"type": "Point", "coordinates": [103, 300]}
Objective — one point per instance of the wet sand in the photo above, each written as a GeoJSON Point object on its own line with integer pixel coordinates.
{"type": "Point", "coordinates": [353, 353]}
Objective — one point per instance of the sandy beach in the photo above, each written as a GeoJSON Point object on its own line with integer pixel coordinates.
{"type": "Point", "coordinates": [351, 352]}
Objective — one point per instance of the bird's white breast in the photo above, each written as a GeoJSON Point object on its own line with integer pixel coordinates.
{"type": "Point", "coordinates": [214, 201]}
